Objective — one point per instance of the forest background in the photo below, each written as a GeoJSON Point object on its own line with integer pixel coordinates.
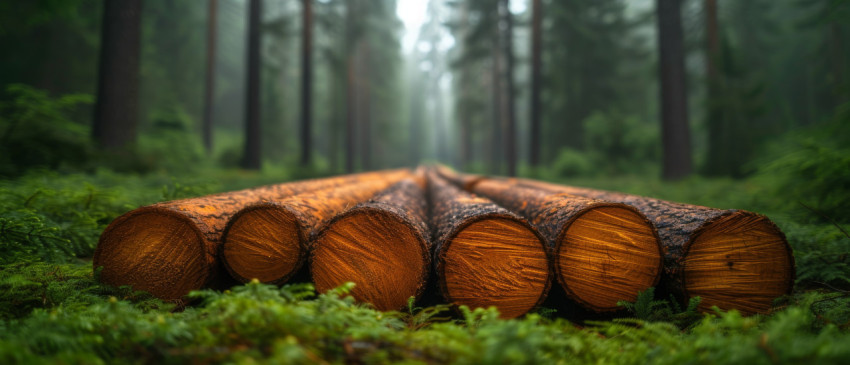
{"type": "Point", "coordinates": [213, 96]}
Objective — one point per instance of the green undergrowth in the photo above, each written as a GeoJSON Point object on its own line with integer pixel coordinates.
{"type": "Point", "coordinates": [53, 310]}
{"type": "Point", "coordinates": [72, 319]}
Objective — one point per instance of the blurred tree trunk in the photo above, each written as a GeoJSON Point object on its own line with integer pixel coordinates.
{"type": "Point", "coordinates": [252, 159]}
{"type": "Point", "coordinates": [364, 106]}
{"type": "Point", "coordinates": [496, 143]}
{"type": "Point", "coordinates": [209, 92]}
{"type": "Point", "coordinates": [306, 81]}
{"type": "Point", "coordinates": [675, 132]}
{"type": "Point", "coordinates": [116, 113]}
{"type": "Point", "coordinates": [718, 159]}
{"type": "Point", "coordinates": [534, 143]}
{"type": "Point", "coordinates": [349, 87]}
{"type": "Point", "coordinates": [510, 130]}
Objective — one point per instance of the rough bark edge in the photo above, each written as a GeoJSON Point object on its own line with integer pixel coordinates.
{"type": "Point", "coordinates": [563, 231]}
{"type": "Point", "coordinates": [303, 239]}
{"type": "Point", "coordinates": [393, 212]}
{"type": "Point", "coordinates": [212, 268]}
{"type": "Point", "coordinates": [441, 247]}
{"type": "Point", "coordinates": [781, 235]}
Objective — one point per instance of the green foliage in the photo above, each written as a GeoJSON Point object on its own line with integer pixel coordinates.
{"type": "Point", "coordinates": [647, 308]}
{"type": "Point", "coordinates": [30, 286]}
{"type": "Point", "coordinates": [171, 145]}
{"type": "Point", "coordinates": [621, 143]}
{"type": "Point", "coordinates": [37, 131]}
{"type": "Point", "coordinates": [813, 168]}
{"type": "Point", "coordinates": [821, 252]}
{"type": "Point", "coordinates": [51, 217]}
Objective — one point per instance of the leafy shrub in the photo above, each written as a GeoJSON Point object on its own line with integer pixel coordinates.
{"type": "Point", "coordinates": [57, 218]}
{"type": "Point", "coordinates": [622, 143]}
{"type": "Point", "coordinates": [171, 144]}
{"type": "Point", "coordinates": [571, 163]}
{"type": "Point", "coordinates": [814, 171]}
{"type": "Point", "coordinates": [37, 131]}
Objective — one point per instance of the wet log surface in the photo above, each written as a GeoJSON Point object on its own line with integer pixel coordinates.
{"type": "Point", "coordinates": [268, 241]}
{"type": "Point", "coordinates": [604, 252]}
{"type": "Point", "coordinates": [171, 248]}
{"type": "Point", "coordinates": [381, 245]}
{"type": "Point", "coordinates": [731, 259]}
{"type": "Point", "coordinates": [484, 254]}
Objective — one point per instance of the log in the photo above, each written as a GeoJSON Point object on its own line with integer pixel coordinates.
{"type": "Point", "coordinates": [381, 245]}
{"type": "Point", "coordinates": [486, 255]}
{"type": "Point", "coordinates": [732, 259]}
{"type": "Point", "coordinates": [171, 248]}
{"type": "Point", "coordinates": [268, 241]}
{"type": "Point", "coordinates": [604, 252]}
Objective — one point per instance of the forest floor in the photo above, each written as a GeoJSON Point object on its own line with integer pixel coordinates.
{"type": "Point", "coordinates": [53, 310]}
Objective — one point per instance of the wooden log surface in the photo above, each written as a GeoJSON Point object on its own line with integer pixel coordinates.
{"type": "Point", "coordinates": [604, 252]}
{"type": "Point", "coordinates": [484, 254]}
{"type": "Point", "coordinates": [731, 259]}
{"type": "Point", "coordinates": [171, 248]}
{"type": "Point", "coordinates": [381, 245]}
{"type": "Point", "coordinates": [268, 241]}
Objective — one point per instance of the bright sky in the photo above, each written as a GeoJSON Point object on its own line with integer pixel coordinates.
{"type": "Point", "coordinates": [412, 14]}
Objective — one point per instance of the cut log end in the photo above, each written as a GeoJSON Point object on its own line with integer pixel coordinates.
{"type": "Point", "coordinates": [378, 251]}
{"type": "Point", "coordinates": [495, 261]}
{"type": "Point", "coordinates": [739, 261]}
{"type": "Point", "coordinates": [263, 243]}
{"type": "Point", "coordinates": [608, 254]}
{"type": "Point", "coordinates": [155, 250]}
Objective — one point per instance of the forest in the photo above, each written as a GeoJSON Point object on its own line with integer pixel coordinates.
{"type": "Point", "coordinates": [110, 105]}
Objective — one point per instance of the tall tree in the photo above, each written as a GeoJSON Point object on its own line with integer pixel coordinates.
{"type": "Point", "coordinates": [306, 81]}
{"type": "Point", "coordinates": [510, 133]}
{"type": "Point", "coordinates": [350, 18]}
{"type": "Point", "coordinates": [675, 132]}
{"type": "Point", "coordinates": [209, 91]}
{"type": "Point", "coordinates": [536, 24]}
{"type": "Point", "coordinates": [252, 158]}
{"type": "Point", "coordinates": [117, 109]}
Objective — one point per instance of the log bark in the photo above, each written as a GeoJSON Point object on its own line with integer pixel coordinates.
{"type": "Point", "coordinates": [268, 241]}
{"type": "Point", "coordinates": [732, 259]}
{"type": "Point", "coordinates": [381, 245]}
{"type": "Point", "coordinates": [485, 255]}
{"type": "Point", "coordinates": [604, 252]}
{"type": "Point", "coordinates": [171, 248]}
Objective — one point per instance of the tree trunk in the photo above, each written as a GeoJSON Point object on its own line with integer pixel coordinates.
{"type": "Point", "coordinates": [350, 95]}
{"type": "Point", "coordinates": [268, 241]}
{"type": "Point", "coordinates": [252, 159]}
{"type": "Point", "coordinates": [171, 248]}
{"type": "Point", "coordinates": [675, 132]}
{"type": "Point", "coordinates": [498, 115]}
{"type": "Point", "coordinates": [720, 159]}
{"type": "Point", "coordinates": [116, 115]}
{"type": "Point", "coordinates": [365, 107]}
{"type": "Point", "coordinates": [536, 25]}
{"type": "Point", "coordinates": [485, 255]}
{"type": "Point", "coordinates": [603, 252]}
{"type": "Point", "coordinates": [209, 91]}
{"type": "Point", "coordinates": [510, 130]}
{"type": "Point", "coordinates": [306, 81]}
{"type": "Point", "coordinates": [730, 258]}
{"type": "Point", "coordinates": [381, 245]}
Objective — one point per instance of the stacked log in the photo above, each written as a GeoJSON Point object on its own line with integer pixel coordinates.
{"type": "Point", "coordinates": [171, 248]}
{"type": "Point", "coordinates": [381, 245]}
{"type": "Point", "coordinates": [604, 252]}
{"type": "Point", "coordinates": [486, 255]}
{"type": "Point", "coordinates": [732, 259]}
{"type": "Point", "coordinates": [268, 241]}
